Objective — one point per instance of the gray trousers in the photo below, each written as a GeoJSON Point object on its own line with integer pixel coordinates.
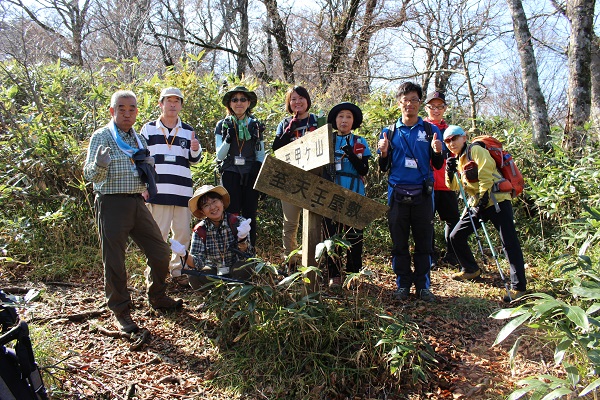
{"type": "Point", "coordinates": [120, 216]}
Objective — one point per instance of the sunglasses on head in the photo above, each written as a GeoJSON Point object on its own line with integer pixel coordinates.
{"type": "Point", "coordinates": [241, 99]}
{"type": "Point", "coordinates": [451, 139]}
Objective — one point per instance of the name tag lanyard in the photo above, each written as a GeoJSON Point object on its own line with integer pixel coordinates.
{"type": "Point", "coordinates": [412, 154]}
{"type": "Point", "coordinates": [167, 133]}
{"type": "Point", "coordinates": [223, 269]}
{"type": "Point", "coordinates": [237, 139]}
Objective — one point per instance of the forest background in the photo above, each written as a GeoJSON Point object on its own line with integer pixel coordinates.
{"type": "Point", "coordinates": [527, 73]}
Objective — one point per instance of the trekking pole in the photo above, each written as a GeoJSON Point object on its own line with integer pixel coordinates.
{"type": "Point", "coordinates": [485, 232]}
{"type": "Point", "coordinates": [495, 256]}
{"type": "Point", "coordinates": [468, 211]}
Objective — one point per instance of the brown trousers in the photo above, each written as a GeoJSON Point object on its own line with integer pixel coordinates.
{"type": "Point", "coordinates": [120, 216]}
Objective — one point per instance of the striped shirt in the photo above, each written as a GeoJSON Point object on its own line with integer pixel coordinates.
{"type": "Point", "coordinates": [172, 160]}
{"type": "Point", "coordinates": [121, 175]}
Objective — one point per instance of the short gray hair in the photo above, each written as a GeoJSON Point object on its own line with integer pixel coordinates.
{"type": "Point", "coordinates": [121, 94]}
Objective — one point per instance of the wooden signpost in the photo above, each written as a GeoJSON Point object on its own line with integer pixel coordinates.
{"type": "Point", "coordinates": [311, 151]}
{"type": "Point", "coordinates": [285, 177]}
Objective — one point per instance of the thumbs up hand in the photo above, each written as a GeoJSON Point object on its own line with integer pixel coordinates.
{"type": "Point", "coordinates": [436, 144]}
{"type": "Point", "coordinates": [194, 143]}
{"type": "Point", "coordinates": [383, 145]}
{"type": "Point", "coordinates": [102, 156]}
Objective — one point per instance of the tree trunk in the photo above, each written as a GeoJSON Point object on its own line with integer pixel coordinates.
{"type": "Point", "coordinates": [536, 104]}
{"type": "Point", "coordinates": [278, 31]}
{"type": "Point", "coordinates": [595, 70]}
{"type": "Point", "coordinates": [360, 64]}
{"type": "Point", "coordinates": [338, 40]}
{"type": "Point", "coordinates": [581, 16]}
{"type": "Point", "coordinates": [242, 60]}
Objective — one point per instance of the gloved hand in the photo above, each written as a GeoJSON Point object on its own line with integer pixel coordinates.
{"type": "Point", "coordinates": [226, 132]}
{"type": "Point", "coordinates": [347, 148]}
{"type": "Point", "coordinates": [477, 209]}
{"type": "Point", "coordinates": [177, 248]}
{"type": "Point", "coordinates": [149, 160]}
{"type": "Point", "coordinates": [244, 229]}
{"type": "Point", "coordinates": [261, 127]}
{"type": "Point", "coordinates": [102, 156]}
{"type": "Point", "coordinates": [451, 165]}
{"type": "Point", "coordinates": [291, 128]}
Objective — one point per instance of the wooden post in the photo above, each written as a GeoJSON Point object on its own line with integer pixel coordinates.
{"type": "Point", "coordinates": [311, 236]}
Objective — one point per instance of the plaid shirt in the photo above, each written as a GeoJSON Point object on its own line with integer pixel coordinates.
{"type": "Point", "coordinates": [215, 252]}
{"type": "Point", "coordinates": [119, 176]}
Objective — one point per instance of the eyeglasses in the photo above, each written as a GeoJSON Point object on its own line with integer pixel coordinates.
{"type": "Point", "coordinates": [240, 99]}
{"type": "Point", "coordinates": [408, 101]}
{"type": "Point", "coordinates": [436, 107]}
{"type": "Point", "coordinates": [208, 205]}
{"type": "Point", "coordinates": [452, 138]}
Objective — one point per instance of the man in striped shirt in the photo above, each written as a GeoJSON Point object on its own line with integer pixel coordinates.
{"type": "Point", "coordinates": [174, 146]}
{"type": "Point", "coordinates": [121, 211]}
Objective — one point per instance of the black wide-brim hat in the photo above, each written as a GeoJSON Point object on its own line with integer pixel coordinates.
{"type": "Point", "coordinates": [353, 108]}
{"type": "Point", "coordinates": [240, 89]}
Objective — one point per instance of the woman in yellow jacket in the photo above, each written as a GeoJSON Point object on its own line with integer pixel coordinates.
{"type": "Point", "coordinates": [486, 205]}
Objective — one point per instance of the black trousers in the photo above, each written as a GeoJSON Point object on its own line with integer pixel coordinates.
{"type": "Point", "coordinates": [404, 219]}
{"type": "Point", "coordinates": [244, 199]}
{"type": "Point", "coordinates": [353, 255]}
{"type": "Point", "coordinates": [446, 205]}
{"type": "Point", "coordinates": [504, 223]}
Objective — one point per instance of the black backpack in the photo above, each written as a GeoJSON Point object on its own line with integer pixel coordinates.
{"type": "Point", "coordinates": [20, 377]}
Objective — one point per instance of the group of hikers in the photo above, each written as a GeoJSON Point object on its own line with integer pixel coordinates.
{"type": "Point", "coordinates": [144, 191]}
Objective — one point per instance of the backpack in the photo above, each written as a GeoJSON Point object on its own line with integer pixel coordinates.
{"type": "Point", "coordinates": [512, 180]}
{"type": "Point", "coordinates": [19, 374]}
{"type": "Point", "coordinates": [232, 221]}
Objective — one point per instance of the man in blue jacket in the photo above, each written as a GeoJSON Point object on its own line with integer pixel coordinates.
{"type": "Point", "coordinates": [407, 150]}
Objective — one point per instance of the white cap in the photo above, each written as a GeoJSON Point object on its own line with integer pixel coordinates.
{"type": "Point", "coordinates": [170, 91]}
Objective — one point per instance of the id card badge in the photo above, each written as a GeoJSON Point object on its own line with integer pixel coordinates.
{"type": "Point", "coordinates": [410, 163]}
{"type": "Point", "coordinates": [222, 270]}
{"type": "Point", "coordinates": [134, 170]}
{"type": "Point", "coordinates": [171, 158]}
{"type": "Point", "coordinates": [239, 160]}
{"type": "Point", "coordinates": [338, 164]}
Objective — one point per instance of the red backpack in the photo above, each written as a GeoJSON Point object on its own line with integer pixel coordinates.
{"type": "Point", "coordinates": [232, 221]}
{"type": "Point", "coordinates": [512, 181]}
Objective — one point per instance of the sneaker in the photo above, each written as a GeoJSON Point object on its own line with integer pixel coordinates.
{"type": "Point", "coordinates": [181, 280]}
{"type": "Point", "coordinates": [125, 323]}
{"type": "Point", "coordinates": [401, 293]}
{"type": "Point", "coordinates": [465, 276]}
{"type": "Point", "coordinates": [426, 295]}
{"type": "Point", "coordinates": [514, 295]}
{"type": "Point", "coordinates": [166, 303]}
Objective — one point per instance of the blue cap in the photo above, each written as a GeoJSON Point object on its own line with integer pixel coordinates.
{"type": "Point", "coordinates": [453, 130]}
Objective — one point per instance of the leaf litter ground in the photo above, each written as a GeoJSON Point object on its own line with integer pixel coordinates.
{"type": "Point", "coordinates": [174, 361]}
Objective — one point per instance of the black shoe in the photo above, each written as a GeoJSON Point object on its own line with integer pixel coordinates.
{"type": "Point", "coordinates": [166, 303]}
{"type": "Point", "coordinates": [426, 295]}
{"type": "Point", "coordinates": [401, 293]}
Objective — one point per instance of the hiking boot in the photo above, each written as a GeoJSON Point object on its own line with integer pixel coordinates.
{"type": "Point", "coordinates": [166, 303]}
{"type": "Point", "coordinates": [426, 295]}
{"type": "Point", "coordinates": [514, 295]}
{"type": "Point", "coordinates": [125, 323]}
{"type": "Point", "coordinates": [465, 276]}
{"type": "Point", "coordinates": [401, 293]}
{"type": "Point", "coordinates": [181, 280]}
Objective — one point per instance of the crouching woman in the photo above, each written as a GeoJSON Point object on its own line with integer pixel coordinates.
{"type": "Point", "coordinates": [220, 241]}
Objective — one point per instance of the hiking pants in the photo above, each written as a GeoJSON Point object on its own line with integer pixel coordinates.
{"type": "Point", "coordinates": [446, 205]}
{"type": "Point", "coordinates": [504, 223]}
{"type": "Point", "coordinates": [354, 253]}
{"type": "Point", "coordinates": [244, 199]}
{"type": "Point", "coordinates": [418, 219]}
{"type": "Point", "coordinates": [178, 220]}
{"type": "Point", "coordinates": [120, 216]}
